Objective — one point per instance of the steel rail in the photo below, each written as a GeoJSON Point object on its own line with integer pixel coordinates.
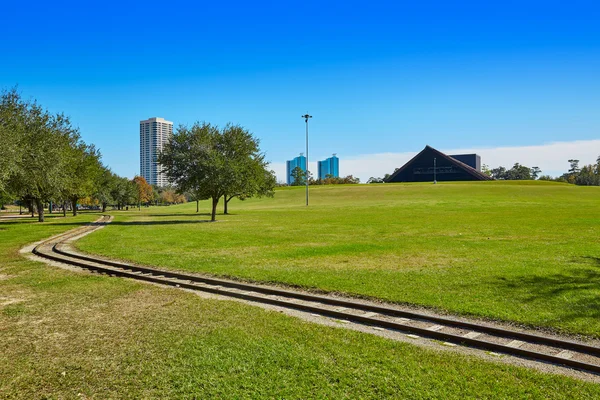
{"type": "Point", "coordinates": [181, 280]}
{"type": "Point", "coordinates": [564, 344]}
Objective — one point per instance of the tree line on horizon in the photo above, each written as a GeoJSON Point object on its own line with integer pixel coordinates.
{"type": "Point", "coordinates": [588, 175]}
{"type": "Point", "coordinates": [299, 179]}
{"type": "Point", "coordinates": [44, 164]}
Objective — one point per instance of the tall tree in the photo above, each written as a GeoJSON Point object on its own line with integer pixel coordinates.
{"type": "Point", "coordinates": [298, 177]}
{"type": "Point", "coordinates": [518, 172]}
{"type": "Point", "coordinates": [13, 111]}
{"type": "Point", "coordinates": [571, 175]}
{"type": "Point", "coordinates": [587, 176]}
{"type": "Point", "coordinates": [41, 172]}
{"type": "Point", "coordinates": [245, 168]}
{"type": "Point", "coordinates": [209, 164]}
{"type": "Point", "coordinates": [84, 172]}
{"type": "Point", "coordinates": [188, 161]}
{"type": "Point", "coordinates": [498, 173]}
{"type": "Point", "coordinates": [486, 170]}
{"type": "Point", "coordinates": [123, 192]}
{"type": "Point", "coordinates": [573, 166]}
{"type": "Point", "coordinates": [143, 191]}
{"type": "Point", "coordinates": [105, 184]}
{"type": "Point", "coordinates": [535, 172]}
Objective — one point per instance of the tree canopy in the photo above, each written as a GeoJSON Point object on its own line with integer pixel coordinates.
{"type": "Point", "coordinates": [84, 173]}
{"type": "Point", "coordinates": [41, 172]}
{"type": "Point", "coordinates": [246, 170]}
{"type": "Point", "coordinates": [143, 192]}
{"type": "Point", "coordinates": [43, 159]}
{"type": "Point", "coordinates": [12, 114]}
{"type": "Point", "coordinates": [298, 177]}
{"type": "Point", "coordinates": [517, 172]}
{"type": "Point", "coordinates": [210, 163]}
{"type": "Point", "coordinates": [588, 175]}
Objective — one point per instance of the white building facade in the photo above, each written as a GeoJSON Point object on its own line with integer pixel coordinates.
{"type": "Point", "coordinates": [154, 133]}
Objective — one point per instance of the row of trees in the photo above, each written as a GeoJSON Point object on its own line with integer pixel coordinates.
{"type": "Point", "coordinates": [299, 179]}
{"type": "Point", "coordinates": [166, 196]}
{"type": "Point", "coordinates": [374, 179]}
{"type": "Point", "coordinates": [212, 163]}
{"type": "Point", "coordinates": [42, 156]}
{"type": "Point", "coordinates": [588, 175]}
{"type": "Point", "coordinates": [517, 172]}
{"type": "Point", "coordinates": [43, 160]}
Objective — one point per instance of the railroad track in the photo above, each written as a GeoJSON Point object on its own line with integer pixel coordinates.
{"type": "Point", "coordinates": [547, 349]}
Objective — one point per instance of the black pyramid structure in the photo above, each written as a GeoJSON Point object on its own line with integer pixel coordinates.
{"type": "Point", "coordinates": [421, 169]}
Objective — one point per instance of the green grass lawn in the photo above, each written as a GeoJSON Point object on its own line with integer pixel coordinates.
{"type": "Point", "coordinates": [66, 335]}
{"type": "Point", "coordinates": [527, 252]}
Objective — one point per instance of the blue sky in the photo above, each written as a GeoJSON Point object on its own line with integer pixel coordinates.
{"type": "Point", "coordinates": [378, 77]}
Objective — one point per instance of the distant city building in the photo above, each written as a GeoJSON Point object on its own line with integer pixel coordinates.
{"type": "Point", "coordinates": [433, 165]}
{"type": "Point", "coordinates": [299, 161]}
{"type": "Point", "coordinates": [154, 133]}
{"type": "Point", "coordinates": [330, 166]}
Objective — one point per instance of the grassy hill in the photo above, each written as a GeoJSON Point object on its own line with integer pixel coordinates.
{"type": "Point", "coordinates": [517, 251]}
{"type": "Point", "coordinates": [78, 335]}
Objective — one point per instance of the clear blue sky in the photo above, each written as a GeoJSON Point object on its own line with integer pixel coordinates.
{"type": "Point", "coordinates": [376, 76]}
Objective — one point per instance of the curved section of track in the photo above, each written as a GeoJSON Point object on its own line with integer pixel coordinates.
{"type": "Point", "coordinates": [576, 355]}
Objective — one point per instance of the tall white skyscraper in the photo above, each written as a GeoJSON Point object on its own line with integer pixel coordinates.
{"type": "Point", "coordinates": [154, 133]}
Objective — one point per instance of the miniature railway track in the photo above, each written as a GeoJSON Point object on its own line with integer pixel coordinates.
{"type": "Point", "coordinates": [522, 344]}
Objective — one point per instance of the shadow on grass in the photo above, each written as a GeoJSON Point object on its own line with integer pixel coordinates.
{"type": "Point", "coordinates": [577, 290]}
{"type": "Point", "coordinates": [48, 222]}
{"type": "Point", "coordinates": [49, 218]}
{"type": "Point", "coordinates": [185, 214]}
{"type": "Point", "coordinates": [120, 223]}
{"type": "Point", "coordinates": [15, 221]}
{"type": "Point", "coordinates": [177, 215]}
{"type": "Point", "coordinates": [16, 216]}
{"type": "Point", "coordinates": [170, 222]}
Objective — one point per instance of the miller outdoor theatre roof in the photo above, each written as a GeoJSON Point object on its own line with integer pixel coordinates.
{"type": "Point", "coordinates": [430, 162]}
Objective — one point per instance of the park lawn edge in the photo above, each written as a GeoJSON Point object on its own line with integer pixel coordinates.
{"type": "Point", "coordinates": [97, 337]}
{"type": "Point", "coordinates": [318, 282]}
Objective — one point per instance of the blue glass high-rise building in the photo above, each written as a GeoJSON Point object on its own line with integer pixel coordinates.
{"type": "Point", "coordinates": [330, 166]}
{"type": "Point", "coordinates": [299, 161]}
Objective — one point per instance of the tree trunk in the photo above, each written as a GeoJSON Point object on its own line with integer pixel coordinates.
{"type": "Point", "coordinates": [197, 205]}
{"type": "Point", "coordinates": [103, 207]}
{"type": "Point", "coordinates": [74, 205]}
{"type": "Point", "coordinates": [50, 205]}
{"type": "Point", "coordinates": [225, 202]}
{"type": "Point", "coordinates": [40, 207]}
{"type": "Point", "coordinates": [64, 208]}
{"type": "Point", "coordinates": [31, 209]}
{"type": "Point", "coordinates": [140, 206]}
{"type": "Point", "coordinates": [215, 202]}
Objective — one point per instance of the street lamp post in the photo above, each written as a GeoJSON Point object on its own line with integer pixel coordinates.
{"type": "Point", "coordinates": [306, 117]}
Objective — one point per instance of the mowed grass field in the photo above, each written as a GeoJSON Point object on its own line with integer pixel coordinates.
{"type": "Point", "coordinates": [69, 335]}
{"type": "Point", "coordinates": [527, 252]}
